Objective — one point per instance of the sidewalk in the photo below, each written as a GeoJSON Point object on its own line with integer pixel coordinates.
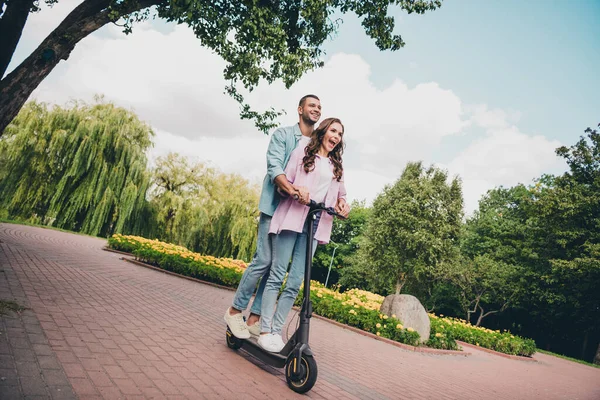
{"type": "Point", "coordinates": [99, 327]}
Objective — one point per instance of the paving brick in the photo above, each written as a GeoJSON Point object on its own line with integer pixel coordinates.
{"type": "Point", "coordinates": [33, 386]}
{"type": "Point", "coordinates": [83, 387]}
{"type": "Point", "coordinates": [122, 331]}
{"type": "Point", "coordinates": [48, 362]}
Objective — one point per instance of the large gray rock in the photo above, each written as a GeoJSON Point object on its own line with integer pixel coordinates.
{"type": "Point", "coordinates": [410, 311]}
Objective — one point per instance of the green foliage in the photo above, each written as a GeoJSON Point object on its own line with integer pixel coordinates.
{"type": "Point", "coordinates": [82, 168]}
{"type": "Point", "coordinates": [345, 237]}
{"type": "Point", "coordinates": [413, 228]}
{"type": "Point", "coordinates": [203, 209]}
{"type": "Point", "coordinates": [282, 40]}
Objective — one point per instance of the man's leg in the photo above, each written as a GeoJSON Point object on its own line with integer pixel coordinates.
{"type": "Point", "coordinates": [257, 268]}
{"type": "Point", "coordinates": [293, 283]}
{"type": "Point", "coordinates": [255, 310]}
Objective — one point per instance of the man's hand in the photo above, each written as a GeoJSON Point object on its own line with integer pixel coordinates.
{"type": "Point", "coordinates": [303, 194]}
{"type": "Point", "coordinates": [342, 208]}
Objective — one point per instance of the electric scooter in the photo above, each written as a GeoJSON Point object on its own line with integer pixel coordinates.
{"type": "Point", "coordinates": [296, 357]}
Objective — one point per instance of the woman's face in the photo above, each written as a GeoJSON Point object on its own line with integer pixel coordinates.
{"type": "Point", "coordinates": [332, 137]}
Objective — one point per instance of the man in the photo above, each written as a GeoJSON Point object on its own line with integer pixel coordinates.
{"type": "Point", "coordinates": [283, 142]}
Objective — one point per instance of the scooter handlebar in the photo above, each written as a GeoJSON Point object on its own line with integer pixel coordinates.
{"type": "Point", "coordinates": [314, 206]}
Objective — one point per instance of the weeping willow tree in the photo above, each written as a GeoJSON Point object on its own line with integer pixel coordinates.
{"type": "Point", "coordinates": [204, 209]}
{"type": "Point", "coordinates": [81, 168]}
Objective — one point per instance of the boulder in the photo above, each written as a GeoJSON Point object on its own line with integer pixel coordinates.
{"type": "Point", "coordinates": [410, 311]}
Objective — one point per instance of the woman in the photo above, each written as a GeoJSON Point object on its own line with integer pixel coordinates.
{"type": "Point", "coordinates": [318, 167]}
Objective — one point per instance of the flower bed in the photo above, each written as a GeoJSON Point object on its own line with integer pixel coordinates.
{"type": "Point", "coordinates": [503, 342]}
{"type": "Point", "coordinates": [357, 308]}
{"type": "Point", "coordinates": [360, 309]}
{"type": "Point", "coordinates": [178, 259]}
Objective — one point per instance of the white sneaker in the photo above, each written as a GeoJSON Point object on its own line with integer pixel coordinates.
{"type": "Point", "coordinates": [254, 329]}
{"type": "Point", "coordinates": [237, 325]}
{"type": "Point", "coordinates": [267, 343]}
{"type": "Point", "coordinates": [278, 341]}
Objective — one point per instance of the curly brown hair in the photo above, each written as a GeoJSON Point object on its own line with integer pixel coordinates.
{"type": "Point", "coordinates": [315, 144]}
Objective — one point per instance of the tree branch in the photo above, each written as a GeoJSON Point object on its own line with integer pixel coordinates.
{"type": "Point", "coordinates": [86, 18]}
{"type": "Point", "coordinates": [12, 23]}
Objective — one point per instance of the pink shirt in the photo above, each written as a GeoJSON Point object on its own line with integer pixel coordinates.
{"type": "Point", "coordinates": [290, 215]}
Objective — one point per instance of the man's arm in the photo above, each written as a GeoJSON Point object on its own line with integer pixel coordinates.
{"type": "Point", "coordinates": [276, 155]}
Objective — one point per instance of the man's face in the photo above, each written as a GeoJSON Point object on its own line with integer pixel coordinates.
{"type": "Point", "coordinates": [310, 111]}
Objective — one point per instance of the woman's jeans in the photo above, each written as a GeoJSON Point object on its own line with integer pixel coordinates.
{"type": "Point", "coordinates": [286, 245]}
{"type": "Point", "coordinates": [257, 269]}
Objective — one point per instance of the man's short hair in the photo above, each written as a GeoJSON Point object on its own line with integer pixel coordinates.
{"type": "Point", "coordinates": [303, 99]}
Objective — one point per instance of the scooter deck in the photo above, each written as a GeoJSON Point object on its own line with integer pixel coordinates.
{"type": "Point", "coordinates": [277, 360]}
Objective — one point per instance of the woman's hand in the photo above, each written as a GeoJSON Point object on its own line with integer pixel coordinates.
{"type": "Point", "coordinates": [342, 208]}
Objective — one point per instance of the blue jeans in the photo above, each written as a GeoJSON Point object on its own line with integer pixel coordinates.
{"type": "Point", "coordinates": [286, 245]}
{"type": "Point", "coordinates": [257, 269]}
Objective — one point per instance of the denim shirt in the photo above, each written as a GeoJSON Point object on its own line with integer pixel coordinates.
{"type": "Point", "coordinates": [283, 142]}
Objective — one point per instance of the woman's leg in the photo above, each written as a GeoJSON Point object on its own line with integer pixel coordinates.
{"type": "Point", "coordinates": [283, 246]}
{"type": "Point", "coordinates": [293, 283]}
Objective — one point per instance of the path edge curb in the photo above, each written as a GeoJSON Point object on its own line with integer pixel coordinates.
{"type": "Point", "coordinates": [509, 356]}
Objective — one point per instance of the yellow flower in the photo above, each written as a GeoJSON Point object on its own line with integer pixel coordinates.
{"type": "Point", "coordinates": [477, 344]}
{"type": "Point", "coordinates": [393, 315]}
{"type": "Point", "coordinates": [438, 335]}
{"type": "Point", "coordinates": [385, 317]}
{"type": "Point", "coordinates": [352, 312]}
{"type": "Point", "coordinates": [399, 326]}
{"type": "Point", "coordinates": [378, 325]}
{"type": "Point", "coordinates": [378, 334]}
{"type": "Point", "coordinates": [380, 316]}
{"type": "Point", "coordinates": [319, 295]}
{"type": "Point", "coordinates": [410, 329]}
{"type": "Point", "coordinates": [385, 325]}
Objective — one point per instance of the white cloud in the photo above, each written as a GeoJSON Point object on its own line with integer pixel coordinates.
{"type": "Point", "coordinates": [176, 85]}
{"type": "Point", "coordinates": [503, 155]}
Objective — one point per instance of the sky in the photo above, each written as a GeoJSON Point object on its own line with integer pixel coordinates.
{"type": "Point", "coordinates": [486, 90]}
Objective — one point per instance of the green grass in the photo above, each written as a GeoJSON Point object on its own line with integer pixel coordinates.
{"type": "Point", "coordinates": [17, 222]}
{"type": "Point", "coordinates": [568, 358]}
{"type": "Point", "coordinates": [8, 305]}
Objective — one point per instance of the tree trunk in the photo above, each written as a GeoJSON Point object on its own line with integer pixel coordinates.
{"type": "Point", "coordinates": [597, 358]}
{"type": "Point", "coordinates": [11, 27]}
{"type": "Point", "coordinates": [86, 18]}
{"type": "Point", "coordinates": [584, 345]}
{"type": "Point", "coordinates": [399, 284]}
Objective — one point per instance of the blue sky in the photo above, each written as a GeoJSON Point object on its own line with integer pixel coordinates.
{"type": "Point", "coordinates": [484, 89]}
{"type": "Point", "coordinates": [540, 58]}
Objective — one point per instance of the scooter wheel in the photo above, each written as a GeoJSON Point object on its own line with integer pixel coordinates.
{"type": "Point", "coordinates": [232, 342]}
{"type": "Point", "coordinates": [305, 376]}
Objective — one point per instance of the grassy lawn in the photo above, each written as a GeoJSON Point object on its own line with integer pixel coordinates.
{"type": "Point", "coordinates": [568, 358]}
{"type": "Point", "coordinates": [8, 305]}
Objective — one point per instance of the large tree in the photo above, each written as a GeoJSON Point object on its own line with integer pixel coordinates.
{"type": "Point", "coordinates": [260, 40]}
{"type": "Point", "coordinates": [565, 216]}
{"type": "Point", "coordinates": [204, 209]}
{"type": "Point", "coordinates": [81, 168]}
{"type": "Point", "coordinates": [414, 226]}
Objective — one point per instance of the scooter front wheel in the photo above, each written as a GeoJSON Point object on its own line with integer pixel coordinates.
{"type": "Point", "coordinates": [301, 378]}
{"type": "Point", "coordinates": [232, 342]}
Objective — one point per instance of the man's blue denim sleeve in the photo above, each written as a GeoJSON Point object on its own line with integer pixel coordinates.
{"type": "Point", "coordinates": [276, 154]}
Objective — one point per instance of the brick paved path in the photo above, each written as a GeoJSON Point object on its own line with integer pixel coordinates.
{"type": "Point", "coordinates": [110, 329]}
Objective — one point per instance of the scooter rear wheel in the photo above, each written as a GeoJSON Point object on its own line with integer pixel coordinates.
{"type": "Point", "coordinates": [306, 376]}
{"type": "Point", "coordinates": [232, 342]}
